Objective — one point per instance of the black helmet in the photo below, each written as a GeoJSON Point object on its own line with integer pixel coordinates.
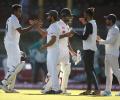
{"type": "Point", "coordinates": [53, 13]}
{"type": "Point", "coordinates": [65, 12]}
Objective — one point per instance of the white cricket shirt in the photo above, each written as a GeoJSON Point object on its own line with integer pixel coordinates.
{"type": "Point", "coordinates": [12, 35]}
{"type": "Point", "coordinates": [112, 42]}
{"type": "Point", "coordinates": [53, 30]}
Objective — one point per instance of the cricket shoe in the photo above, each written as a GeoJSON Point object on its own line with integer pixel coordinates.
{"type": "Point", "coordinates": [12, 91]}
{"type": "Point", "coordinates": [45, 89]}
{"type": "Point", "coordinates": [53, 92]}
{"type": "Point", "coordinates": [106, 93]}
{"type": "Point", "coordinates": [4, 87]}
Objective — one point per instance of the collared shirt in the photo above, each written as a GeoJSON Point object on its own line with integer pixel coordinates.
{"type": "Point", "coordinates": [112, 42]}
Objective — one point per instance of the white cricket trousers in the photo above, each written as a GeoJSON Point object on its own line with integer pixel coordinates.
{"type": "Point", "coordinates": [52, 62]}
{"type": "Point", "coordinates": [13, 59]}
{"type": "Point", "coordinates": [111, 67]}
{"type": "Point", "coordinates": [13, 54]}
{"type": "Point", "coordinates": [65, 67]}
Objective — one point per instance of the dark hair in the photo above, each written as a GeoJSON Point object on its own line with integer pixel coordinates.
{"type": "Point", "coordinates": [90, 11]}
{"type": "Point", "coordinates": [15, 7]}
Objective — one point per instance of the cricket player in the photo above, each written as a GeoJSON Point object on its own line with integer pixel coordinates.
{"type": "Point", "coordinates": [11, 42]}
{"type": "Point", "coordinates": [52, 52]}
{"type": "Point", "coordinates": [64, 67]}
{"type": "Point", "coordinates": [64, 58]}
{"type": "Point", "coordinates": [112, 44]}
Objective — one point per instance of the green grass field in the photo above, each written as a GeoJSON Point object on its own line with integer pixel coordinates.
{"type": "Point", "coordinates": [37, 95]}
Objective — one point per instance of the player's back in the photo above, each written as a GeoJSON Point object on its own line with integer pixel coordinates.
{"type": "Point", "coordinates": [12, 35]}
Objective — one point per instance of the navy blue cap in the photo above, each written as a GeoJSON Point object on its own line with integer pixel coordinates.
{"type": "Point", "coordinates": [111, 17]}
{"type": "Point", "coordinates": [53, 13]}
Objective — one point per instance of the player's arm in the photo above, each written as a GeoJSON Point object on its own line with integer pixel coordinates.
{"type": "Point", "coordinates": [50, 43]}
{"type": "Point", "coordinates": [42, 32]}
{"type": "Point", "coordinates": [39, 28]}
{"type": "Point", "coordinates": [69, 34]}
{"type": "Point", "coordinates": [24, 30]}
{"type": "Point", "coordinates": [63, 36]}
{"type": "Point", "coordinates": [110, 40]}
{"type": "Point", "coordinates": [72, 52]}
{"type": "Point", "coordinates": [88, 31]}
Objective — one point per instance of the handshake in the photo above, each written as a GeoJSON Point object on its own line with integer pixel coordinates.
{"type": "Point", "coordinates": [98, 39]}
{"type": "Point", "coordinates": [36, 23]}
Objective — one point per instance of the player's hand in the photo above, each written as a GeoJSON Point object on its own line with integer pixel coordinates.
{"type": "Point", "coordinates": [33, 22]}
{"type": "Point", "coordinates": [69, 34]}
{"type": "Point", "coordinates": [38, 25]}
{"type": "Point", "coordinates": [83, 21]}
{"type": "Point", "coordinates": [98, 38]}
